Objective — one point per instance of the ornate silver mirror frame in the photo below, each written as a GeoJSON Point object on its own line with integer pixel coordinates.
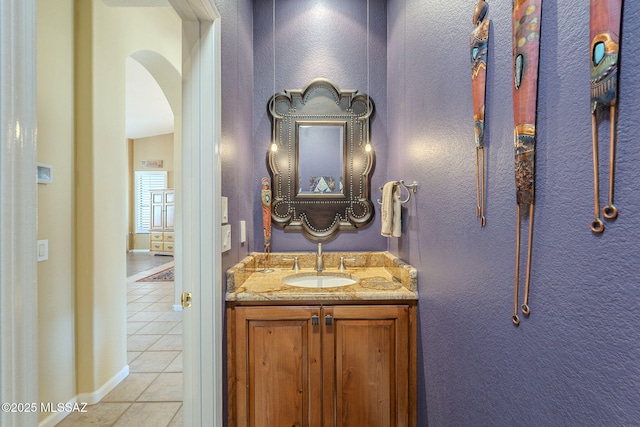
{"type": "Point", "coordinates": [321, 204]}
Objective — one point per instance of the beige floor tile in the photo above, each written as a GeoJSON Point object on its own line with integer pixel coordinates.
{"type": "Point", "coordinates": [131, 355]}
{"type": "Point", "coordinates": [162, 292]}
{"type": "Point", "coordinates": [170, 315]}
{"type": "Point", "coordinates": [130, 388]}
{"type": "Point", "coordinates": [153, 361]}
{"type": "Point", "coordinates": [101, 414]}
{"type": "Point", "coordinates": [133, 327]}
{"type": "Point", "coordinates": [160, 306]}
{"type": "Point", "coordinates": [144, 316]}
{"type": "Point", "coordinates": [149, 414]}
{"type": "Point", "coordinates": [137, 291]}
{"type": "Point", "coordinates": [176, 365]}
{"type": "Point", "coordinates": [147, 286]}
{"type": "Point", "coordinates": [167, 342]}
{"type": "Point", "coordinates": [141, 342]}
{"type": "Point", "coordinates": [156, 327]}
{"type": "Point", "coordinates": [133, 297]}
{"type": "Point", "coordinates": [167, 387]}
{"type": "Point", "coordinates": [137, 306]}
{"type": "Point", "coordinates": [155, 378]}
{"type": "Point", "coordinates": [149, 298]}
{"type": "Point", "coordinates": [164, 285]}
{"type": "Point", "coordinates": [178, 420]}
{"type": "Point", "coordinates": [177, 329]}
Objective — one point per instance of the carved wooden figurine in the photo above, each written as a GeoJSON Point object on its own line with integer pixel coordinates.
{"type": "Point", "coordinates": [526, 52]}
{"type": "Point", "coordinates": [265, 196]}
{"type": "Point", "coordinates": [605, 50]}
{"type": "Point", "coordinates": [479, 47]}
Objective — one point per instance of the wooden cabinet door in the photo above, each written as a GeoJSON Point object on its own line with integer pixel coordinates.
{"type": "Point", "coordinates": [170, 208]}
{"type": "Point", "coordinates": [278, 371]}
{"type": "Point", "coordinates": [366, 366]}
{"type": "Point", "coordinates": [169, 219]}
{"type": "Point", "coordinates": [157, 210]}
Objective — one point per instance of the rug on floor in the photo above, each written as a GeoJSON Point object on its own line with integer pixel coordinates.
{"type": "Point", "coordinates": [162, 276]}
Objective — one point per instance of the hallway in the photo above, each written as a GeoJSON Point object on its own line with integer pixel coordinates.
{"type": "Point", "coordinates": [152, 393]}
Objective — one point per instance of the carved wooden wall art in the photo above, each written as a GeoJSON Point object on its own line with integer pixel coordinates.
{"type": "Point", "coordinates": [526, 52]}
{"type": "Point", "coordinates": [265, 197]}
{"type": "Point", "coordinates": [479, 49]}
{"type": "Point", "coordinates": [605, 50]}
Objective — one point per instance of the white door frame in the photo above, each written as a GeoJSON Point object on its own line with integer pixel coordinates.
{"type": "Point", "coordinates": [199, 264]}
{"type": "Point", "coordinates": [18, 211]}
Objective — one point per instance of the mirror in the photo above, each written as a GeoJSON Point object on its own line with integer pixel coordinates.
{"type": "Point", "coordinates": [320, 170]}
{"type": "Point", "coordinates": [320, 158]}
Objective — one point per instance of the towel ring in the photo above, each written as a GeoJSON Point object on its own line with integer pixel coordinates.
{"type": "Point", "coordinates": [411, 188]}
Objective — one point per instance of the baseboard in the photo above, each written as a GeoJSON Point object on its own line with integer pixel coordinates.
{"type": "Point", "coordinates": [96, 396]}
{"type": "Point", "coordinates": [84, 399]}
{"type": "Point", "coordinates": [55, 417]}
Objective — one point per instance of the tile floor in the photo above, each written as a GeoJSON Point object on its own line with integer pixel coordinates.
{"type": "Point", "coordinates": [142, 261]}
{"type": "Point", "coordinates": [152, 393]}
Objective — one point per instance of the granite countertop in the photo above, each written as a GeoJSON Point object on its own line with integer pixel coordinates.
{"type": "Point", "coordinates": [380, 275]}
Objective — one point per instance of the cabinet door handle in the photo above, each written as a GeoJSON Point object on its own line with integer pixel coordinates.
{"type": "Point", "coordinates": [315, 320]}
{"type": "Point", "coordinates": [328, 320]}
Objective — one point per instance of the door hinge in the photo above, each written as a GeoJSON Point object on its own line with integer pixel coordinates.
{"type": "Point", "coordinates": [185, 299]}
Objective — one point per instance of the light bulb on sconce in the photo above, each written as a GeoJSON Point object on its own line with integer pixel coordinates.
{"type": "Point", "coordinates": [368, 147]}
{"type": "Point", "coordinates": [274, 147]}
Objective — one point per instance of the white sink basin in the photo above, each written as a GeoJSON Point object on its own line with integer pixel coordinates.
{"type": "Point", "coordinates": [319, 281]}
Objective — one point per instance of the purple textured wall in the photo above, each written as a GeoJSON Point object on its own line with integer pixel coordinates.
{"type": "Point", "coordinates": [576, 360]}
{"type": "Point", "coordinates": [237, 113]}
{"type": "Point", "coordinates": [319, 39]}
{"type": "Point", "coordinates": [237, 119]}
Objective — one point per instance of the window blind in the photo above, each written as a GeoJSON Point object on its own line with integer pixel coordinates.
{"type": "Point", "coordinates": [145, 182]}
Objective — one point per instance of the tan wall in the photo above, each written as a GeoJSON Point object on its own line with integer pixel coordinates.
{"type": "Point", "coordinates": [56, 295]}
{"type": "Point", "coordinates": [106, 37]}
{"type": "Point", "coordinates": [158, 147]}
{"type": "Point", "coordinates": [155, 148]}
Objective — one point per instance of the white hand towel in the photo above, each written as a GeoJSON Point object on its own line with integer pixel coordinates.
{"type": "Point", "coordinates": [391, 210]}
{"type": "Point", "coordinates": [397, 213]}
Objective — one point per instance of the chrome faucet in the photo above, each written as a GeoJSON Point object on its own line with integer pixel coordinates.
{"type": "Point", "coordinates": [319, 260]}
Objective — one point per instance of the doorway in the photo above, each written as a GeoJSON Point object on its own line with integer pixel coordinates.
{"type": "Point", "coordinates": [198, 239]}
{"type": "Point", "coordinates": [201, 83]}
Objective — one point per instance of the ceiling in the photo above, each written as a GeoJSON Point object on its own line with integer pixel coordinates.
{"type": "Point", "coordinates": [147, 110]}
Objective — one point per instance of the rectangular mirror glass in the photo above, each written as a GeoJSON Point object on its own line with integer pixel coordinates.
{"type": "Point", "coordinates": [320, 158]}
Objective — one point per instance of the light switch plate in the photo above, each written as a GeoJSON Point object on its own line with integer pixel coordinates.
{"type": "Point", "coordinates": [243, 231]}
{"type": "Point", "coordinates": [224, 208]}
{"type": "Point", "coordinates": [226, 237]}
{"type": "Point", "coordinates": [43, 250]}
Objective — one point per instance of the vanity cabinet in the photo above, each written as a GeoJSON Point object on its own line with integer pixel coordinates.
{"type": "Point", "coordinates": [322, 366]}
